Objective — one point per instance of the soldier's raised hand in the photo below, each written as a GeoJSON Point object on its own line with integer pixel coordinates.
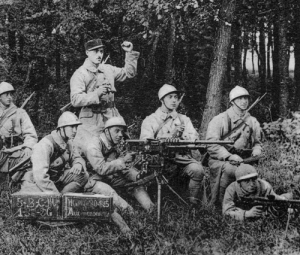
{"type": "Point", "coordinates": [127, 46]}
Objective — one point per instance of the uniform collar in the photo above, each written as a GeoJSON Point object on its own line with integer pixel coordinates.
{"type": "Point", "coordinates": [164, 115]}
{"type": "Point", "coordinates": [3, 108]}
{"type": "Point", "coordinates": [89, 65]}
{"type": "Point", "coordinates": [234, 116]}
{"type": "Point", "coordinates": [58, 140]}
{"type": "Point", "coordinates": [105, 141]}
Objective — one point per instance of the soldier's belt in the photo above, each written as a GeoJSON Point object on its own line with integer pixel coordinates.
{"type": "Point", "coordinates": [102, 107]}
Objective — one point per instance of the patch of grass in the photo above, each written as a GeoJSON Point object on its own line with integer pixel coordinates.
{"type": "Point", "coordinates": [182, 230]}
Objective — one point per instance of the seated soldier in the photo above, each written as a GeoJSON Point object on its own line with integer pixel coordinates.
{"type": "Point", "coordinates": [50, 164]}
{"type": "Point", "coordinates": [247, 185]}
{"type": "Point", "coordinates": [167, 123]}
{"type": "Point", "coordinates": [56, 165]}
{"type": "Point", "coordinates": [17, 132]}
{"type": "Point", "coordinates": [109, 170]}
{"type": "Point", "coordinates": [224, 159]}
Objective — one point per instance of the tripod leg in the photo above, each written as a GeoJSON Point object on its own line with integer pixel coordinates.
{"type": "Point", "coordinates": [167, 183]}
{"type": "Point", "coordinates": [158, 198]}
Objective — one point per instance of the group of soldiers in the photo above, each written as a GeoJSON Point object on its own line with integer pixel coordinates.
{"type": "Point", "coordinates": [82, 154]}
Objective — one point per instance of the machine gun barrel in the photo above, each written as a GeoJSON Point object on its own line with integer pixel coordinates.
{"type": "Point", "coordinates": [184, 142]}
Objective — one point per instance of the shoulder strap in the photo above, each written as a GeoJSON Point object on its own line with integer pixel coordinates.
{"type": "Point", "coordinates": [4, 117]}
{"type": "Point", "coordinates": [57, 148]}
{"type": "Point", "coordinates": [161, 125]}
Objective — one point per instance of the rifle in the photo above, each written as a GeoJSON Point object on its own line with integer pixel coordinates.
{"type": "Point", "coordinates": [245, 116]}
{"type": "Point", "coordinates": [269, 204]}
{"type": "Point", "coordinates": [16, 172]}
{"type": "Point", "coordinates": [27, 100]}
{"type": "Point", "coordinates": [69, 104]}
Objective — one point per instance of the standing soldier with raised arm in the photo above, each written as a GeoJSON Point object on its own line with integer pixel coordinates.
{"type": "Point", "coordinates": [93, 85]}
{"type": "Point", "coordinates": [166, 122]}
{"type": "Point", "coordinates": [224, 159]}
{"type": "Point", "coordinates": [17, 132]}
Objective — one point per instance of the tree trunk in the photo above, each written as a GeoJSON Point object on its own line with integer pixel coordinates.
{"type": "Point", "coordinates": [297, 63]}
{"type": "Point", "coordinates": [237, 62]}
{"type": "Point", "coordinates": [262, 53]}
{"type": "Point", "coordinates": [269, 49]}
{"type": "Point", "coordinates": [218, 67]}
{"type": "Point", "coordinates": [276, 77]}
{"type": "Point", "coordinates": [283, 59]}
{"type": "Point", "coordinates": [169, 66]}
{"type": "Point", "coordinates": [245, 46]}
{"type": "Point", "coordinates": [57, 61]}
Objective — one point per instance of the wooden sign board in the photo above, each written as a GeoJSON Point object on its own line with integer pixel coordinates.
{"type": "Point", "coordinates": [80, 206]}
{"type": "Point", "coordinates": [38, 206]}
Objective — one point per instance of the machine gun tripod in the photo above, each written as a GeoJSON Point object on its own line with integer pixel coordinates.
{"type": "Point", "coordinates": [154, 154]}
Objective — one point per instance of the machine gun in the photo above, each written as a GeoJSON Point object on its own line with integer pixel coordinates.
{"type": "Point", "coordinates": [269, 204]}
{"type": "Point", "coordinates": [153, 155]}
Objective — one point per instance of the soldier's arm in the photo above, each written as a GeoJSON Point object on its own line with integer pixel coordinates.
{"type": "Point", "coordinates": [229, 207]}
{"type": "Point", "coordinates": [130, 68]}
{"type": "Point", "coordinates": [214, 132]}
{"type": "Point", "coordinates": [190, 132]}
{"type": "Point", "coordinates": [100, 164]}
{"type": "Point", "coordinates": [79, 96]}
{"type": "Point", "coordinates": [28, 130]}
{"type": "Point", "coordinates": [76, 158]}
{"type": "Point", "coordinates": [257, 133]}
{"type": "Point", "coordinates": [40, 159]}
{"type": "Point", "coordinates": [147, 131]}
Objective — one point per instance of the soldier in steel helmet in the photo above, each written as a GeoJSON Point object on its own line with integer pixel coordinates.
{"type": "Point", "coordinates": [17, 132]}
{"type": "Point", "coordinates": [247, 184]}
{"type": "Point", "coordinates": [166, 122]}
{"type": "Point", "coordinates": [93, 85]}
{"type": "Point", "coordinates": [224, 159]}
{"type": "Point", "coordinates": [109, 170]}
{"type": "Point", "coordinates": [57, 167]}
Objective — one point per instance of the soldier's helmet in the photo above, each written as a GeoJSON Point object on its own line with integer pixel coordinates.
{"type": "Point", "coordinates": [244, 172]}
{"type": "Point", "coordinates": [236, 92]}
{"type": "Point", "coordinates": [115, 121]}
{"type": "Point", "coordinates": [68, 119]}
{"type": "Point", "coordinates": [6, 87]}
{"type": "Point", "coordinates": [167, 89]}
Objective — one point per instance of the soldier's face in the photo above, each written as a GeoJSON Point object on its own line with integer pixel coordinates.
{"type": "Point", "coordinates": [171, 101]}
{"type": "Point", "coordinates": [242, 102]}
{"type": "Point", "coordinates": [249, 185]}
{"type": "Point", "coordinates": [116, 134]}
{"type": "Point", "coordinates": [6, 98]}
{"type": "Point", "coordinates": [95, 55]}
{"type": "Point", "coordinates": [70, 131]}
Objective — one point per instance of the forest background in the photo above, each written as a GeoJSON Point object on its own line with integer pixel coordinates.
{"type": "Point", "coordinates": [201, 47]}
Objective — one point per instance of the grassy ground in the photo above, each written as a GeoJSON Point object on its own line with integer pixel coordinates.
{"type": "Point", "coordinates": [181, 231]}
